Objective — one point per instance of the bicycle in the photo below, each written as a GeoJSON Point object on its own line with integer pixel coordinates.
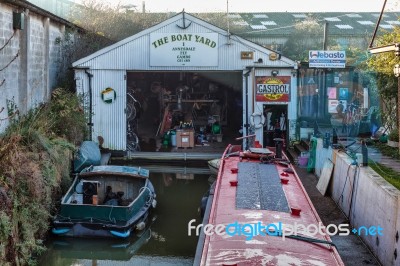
{"type": "Point", "coordinates": [351, 120]}
{"type": "Point", "coordinates": [132, 139]}
{"type": "Point", "coordinates": [133, 107]}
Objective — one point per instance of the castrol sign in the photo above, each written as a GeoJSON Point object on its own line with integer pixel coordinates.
{"type": "Point", "coordinates": [273, 89]}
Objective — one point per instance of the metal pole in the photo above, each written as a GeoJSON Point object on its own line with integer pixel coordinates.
{"type": "Point", "coordinates": [247, 109]}
{"type": "Point", "coordinates": [326, 36]}
{"type": "Point", "coordinates": [377, 25]}
{"type": "Point", "coordinates": [396, 71]}
{"type": "Point", "coordinates": [90, 124]}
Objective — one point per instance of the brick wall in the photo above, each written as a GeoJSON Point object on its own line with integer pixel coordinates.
{"type": "Point", "coordinates": [29, 79]}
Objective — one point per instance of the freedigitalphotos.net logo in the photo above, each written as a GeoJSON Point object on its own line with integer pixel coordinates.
{"type": "Point", "coordinates": [250, 230]}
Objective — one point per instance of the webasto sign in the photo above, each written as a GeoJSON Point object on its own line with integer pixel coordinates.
{"type": "Point", "coordinates": [184, 49]}
{"type": "Point", "coordinates": [327, 59]}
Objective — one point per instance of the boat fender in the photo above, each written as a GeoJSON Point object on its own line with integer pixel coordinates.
{"type": "Point", "coordinates": [120, 234]}
{"type": "Point", "coordinates": [151, 195]}
{"type": "Point", "coordinates": [154, 204]}
{"type": "Point", "coordinates": [60, 231]}
{"type": "Point", "coordinates": [140, 226]}
{"type": "Point", "coordinates": [261, 120]}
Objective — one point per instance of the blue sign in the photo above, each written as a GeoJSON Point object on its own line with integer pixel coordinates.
{"type": "Point", "coordinates": [327, 59]}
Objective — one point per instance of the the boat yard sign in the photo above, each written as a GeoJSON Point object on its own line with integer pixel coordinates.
{"type": "Point", "coordinates": [184, 49]}
{"type": "Point", "coordinates": [327, 59]}
{"type": "Point", "coordinates": [273, 89]}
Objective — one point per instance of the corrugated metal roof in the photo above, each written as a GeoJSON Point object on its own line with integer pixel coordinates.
{"type": "Point", "coordinates": [344, 26]}
{"type": "Point", "coordinates": [332, 19]}
{"type": "Point", "coordinates": [386, 26]}
{"type": "Point", "coordinates": [361, 22]}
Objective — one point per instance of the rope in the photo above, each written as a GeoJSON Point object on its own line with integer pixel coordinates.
{"type": "Point", "coordinates": [151, 194]}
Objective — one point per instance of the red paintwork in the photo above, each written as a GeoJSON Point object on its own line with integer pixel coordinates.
{"type": "Point", "coordinates": [263, 250]}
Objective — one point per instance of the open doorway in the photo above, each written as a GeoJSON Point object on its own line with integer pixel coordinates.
{"type": "Point", "coordinates": [168, 100]}
{"type": "Point", "coordinates": [276, 125]}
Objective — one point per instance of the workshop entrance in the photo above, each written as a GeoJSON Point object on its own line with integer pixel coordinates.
{"type": "Point", "coordinates": [275, 123]}
{"type": "Point", "coordinates": [208, 104]}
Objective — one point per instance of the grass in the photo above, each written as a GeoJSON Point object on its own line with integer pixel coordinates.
{"type": "Point", "coordinates": [387, 173]}
{"type": "Point", "coordinates": [387, 150]}
{"type": "Point", "coordinates": [390, 175]}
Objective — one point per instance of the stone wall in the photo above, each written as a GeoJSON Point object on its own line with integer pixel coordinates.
{"type": "Point", "coordinates": [36, 50]}
{"type": "Point", "coordinates": [367, 200]}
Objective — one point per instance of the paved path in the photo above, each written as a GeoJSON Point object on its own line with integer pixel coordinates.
{"type": "Point", "coordinates": [375, 155]}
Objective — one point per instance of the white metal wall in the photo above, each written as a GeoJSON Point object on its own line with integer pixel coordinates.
{"type": "Point", "coordinates": [109, 119]}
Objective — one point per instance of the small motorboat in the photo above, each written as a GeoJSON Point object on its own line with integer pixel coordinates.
{"type": "Point", "coordinates": [93, 249]}
{"type": "Point", "coordinates": [106, 201]}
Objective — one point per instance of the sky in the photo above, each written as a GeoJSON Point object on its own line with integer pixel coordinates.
{"type": "Point", "coordinates": [193, 6]}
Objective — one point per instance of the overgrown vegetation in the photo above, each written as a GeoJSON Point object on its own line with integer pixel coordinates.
{"type": "Point", "coordinates": [33, 171]}
{"type": "Point", "coordinates": [307, 35]}
{"type": "Point", "coordinates": [116, 21]}
{"type": "Point", "coordinates": [387, 83]}
{"type": "Point", "coordinates": [113, 21]}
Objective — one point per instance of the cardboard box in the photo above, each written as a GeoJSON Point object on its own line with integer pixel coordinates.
{"type": "Point", "coordinates": [184, 176]}
{"type": "Point", "coordinates": [185, 138]}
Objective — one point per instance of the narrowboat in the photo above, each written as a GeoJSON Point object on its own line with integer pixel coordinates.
{"type": "Point", "coordinates": [260, 214]}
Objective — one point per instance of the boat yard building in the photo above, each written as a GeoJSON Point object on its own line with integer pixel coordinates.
{"type": "Point", "coordinates": [184, 72]}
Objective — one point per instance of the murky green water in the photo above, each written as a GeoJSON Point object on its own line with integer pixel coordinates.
{"type": "Point", "coordinates": [164, 242]}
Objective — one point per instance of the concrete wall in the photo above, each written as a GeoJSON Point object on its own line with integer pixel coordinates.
{"type": "Point", "coordinates": [367, 200]}
{"type": "Point", "coordinates": [29, 79]}
{"type": "Point", "coordinates": [322, 156]}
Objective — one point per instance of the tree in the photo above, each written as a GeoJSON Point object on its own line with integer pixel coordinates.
{"type": "Point", "coordinates": [221, 20]}
{"type": "Point", "coordinates": [382, 64]}
{"type": "Point", "coordinates": [114, 22]}
{"type": "Point", "coordinates": [307, 35]}
{"type": "Point", "coordinates": [117, 22]}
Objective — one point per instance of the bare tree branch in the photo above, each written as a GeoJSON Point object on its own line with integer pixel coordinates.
{"type": "Point", "coordinates": [8, 41]}
{"type": "Point", "coordinates": [9, 63]}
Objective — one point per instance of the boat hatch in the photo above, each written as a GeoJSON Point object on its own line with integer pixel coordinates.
{"type": "Point", "coordinates": [260, 188]}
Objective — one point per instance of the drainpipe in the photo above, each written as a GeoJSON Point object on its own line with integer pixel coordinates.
{"type": "Point", "coordinates": [247, 108]}
{"type": "Point", "coordinates": [90, 124]}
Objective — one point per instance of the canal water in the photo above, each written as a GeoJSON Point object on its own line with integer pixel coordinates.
{"type": "Point", "coordinates": [165, 241]}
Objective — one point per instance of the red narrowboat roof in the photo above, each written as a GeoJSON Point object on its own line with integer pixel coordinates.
{"type": "Point", "coordinates": [263, 249]}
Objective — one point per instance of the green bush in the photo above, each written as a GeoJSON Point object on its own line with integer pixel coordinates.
{"type": "Point", "coordinates": [394, 135]}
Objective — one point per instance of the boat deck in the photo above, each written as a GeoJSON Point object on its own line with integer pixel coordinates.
{"type": "Point", "coordinates": [261, 197]}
